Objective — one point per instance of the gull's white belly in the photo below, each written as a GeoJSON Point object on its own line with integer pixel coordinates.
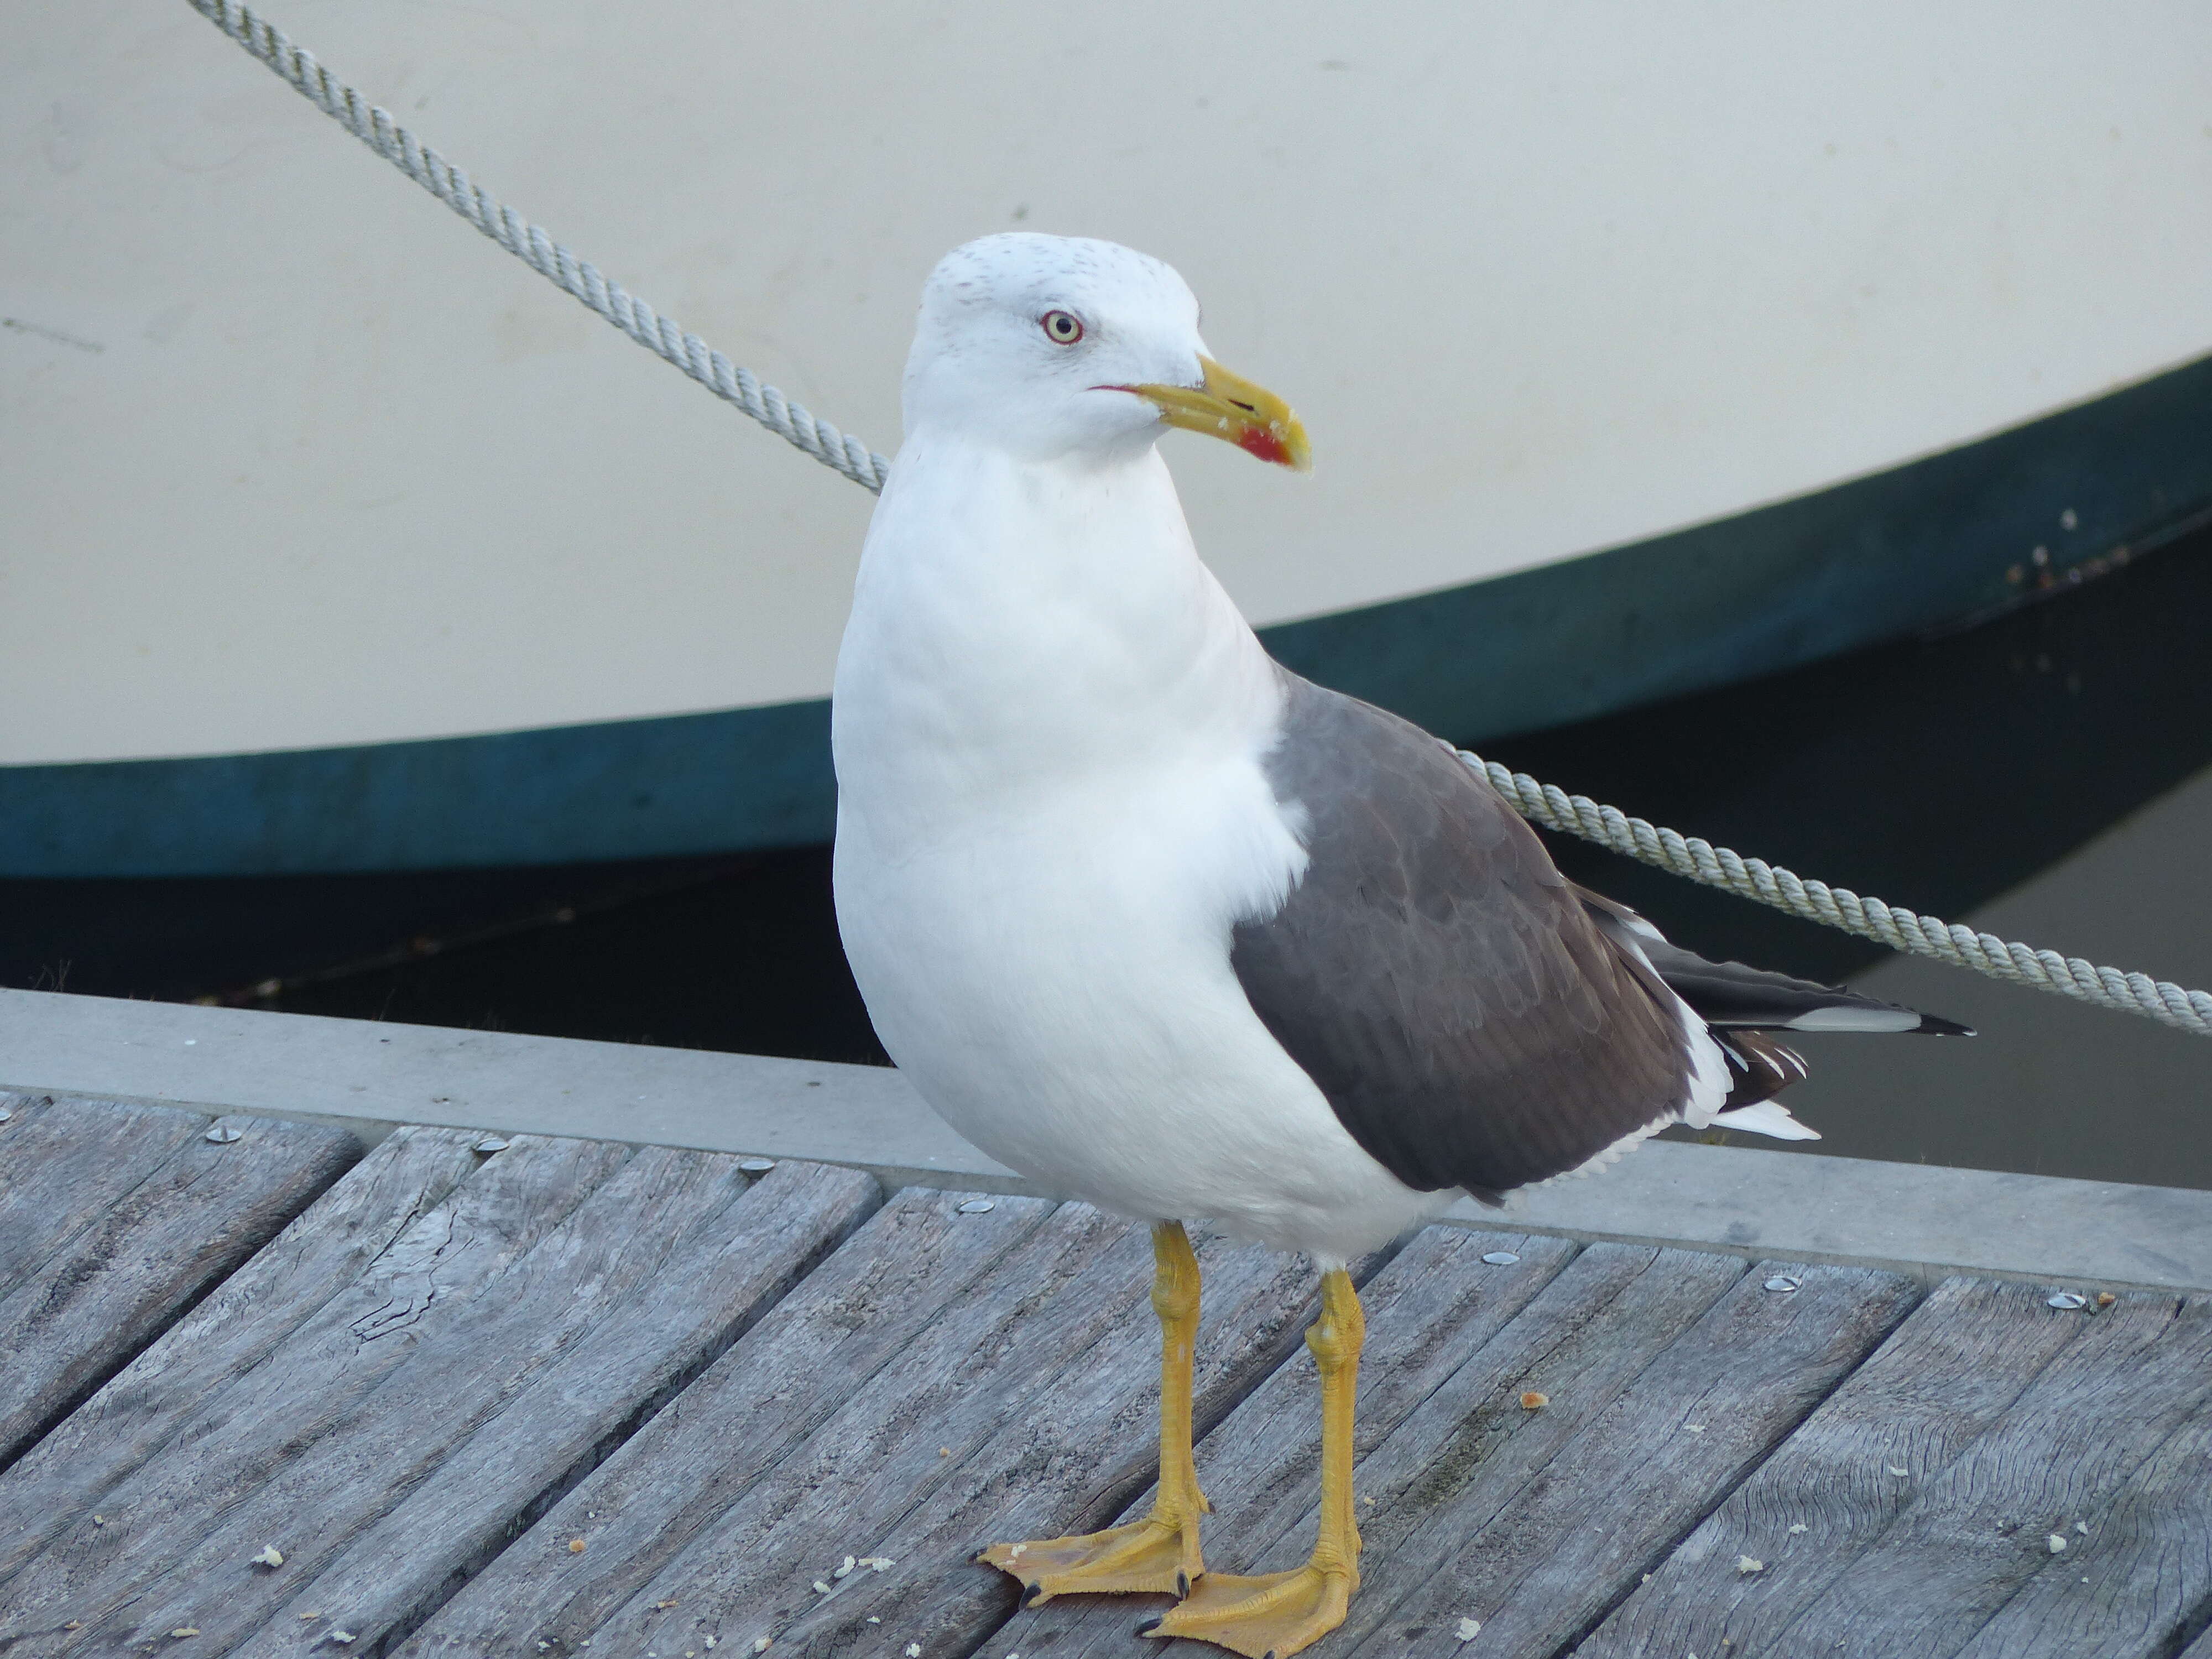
{"type": "Point", "coordinates": [1056, 982]}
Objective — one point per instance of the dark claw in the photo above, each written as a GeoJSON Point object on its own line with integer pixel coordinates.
{"type": "Point", "coordinates": [1182, 1586]}
{"type": "Point", "coordinates": [1031, 1595]}
{"type": "Point", "coordinates": [1147, 1626]}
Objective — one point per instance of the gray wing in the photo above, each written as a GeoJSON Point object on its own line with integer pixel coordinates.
{"type": "Point", "coordinates": [1435, 975]}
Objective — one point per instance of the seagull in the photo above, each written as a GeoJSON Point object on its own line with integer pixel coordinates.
{"type": "Point", "coordinates": [1164, 926]}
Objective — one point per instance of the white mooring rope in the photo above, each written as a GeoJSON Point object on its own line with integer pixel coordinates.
{"type": "Point", "coordinates": [1688, 856]}
{"type": "Point", "coordinates": [374, 127]}
{"type": "Point", "coordinates": [1840, 908]}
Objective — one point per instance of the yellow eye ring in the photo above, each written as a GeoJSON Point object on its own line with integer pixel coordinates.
{"type": "Point", "coordinates": [1062, 327]}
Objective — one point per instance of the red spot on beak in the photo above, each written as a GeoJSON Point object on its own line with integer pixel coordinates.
{"type": "Point", "coordinates": [1262, 441]}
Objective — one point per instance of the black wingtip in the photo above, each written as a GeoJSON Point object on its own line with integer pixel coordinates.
{"type": "Point", "coordinates": [1936, 1025]}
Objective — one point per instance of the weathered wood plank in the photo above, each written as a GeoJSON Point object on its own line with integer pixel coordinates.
{"type": "Point", "coordinates": [65, 1163]}
{"type": "Point", "coordinates": [930, 1449]}
{"type": "Point", "coordinates": [1462, 1444]}
{"type": "Point", "coordinates": [861, 1313]}
{"type": "Point", "coordinates": [69, 1473]}
{"type": "Point", "coordinates": [1428, 1311]}
{"type": "Point", "coordinates": [516, 1335]}
{"type": "Point", "coordinates": [1072, 1460]}
{"type": "Point", "coordinates": [1828, 1494]}
{"type": "Point", "coordinates": [1540, 1570]}
{"type": "Point", "coordinates": [1975, 1533]}
{"type": "Point", "coordinates": [651, 1279]}
{"type": "Point", "coordinates": [2131, 1586]}
{"type": "Point", "coordinates": [241, 1435]}
{"type": "Point", "coordinates": [18, 1111]}
{"type": "Point", "coordinates": [120, 1281]}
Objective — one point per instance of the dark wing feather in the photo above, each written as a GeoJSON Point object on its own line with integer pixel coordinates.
{"type": "Point", "coordinates": [1732, 996]}
{"type": "Point", "coordinates": [1728, 993]}
{"type": "Point", "coordinates": [1437, 977]}
{"type": "Point", "coordinates": [1759, 1066]}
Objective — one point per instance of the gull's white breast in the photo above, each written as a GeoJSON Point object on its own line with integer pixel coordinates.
{"type": "Point", "coordinates": [1049, 724]}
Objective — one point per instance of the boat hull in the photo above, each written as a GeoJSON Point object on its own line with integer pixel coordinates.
{"type": "Point", "coordinates": [1934, 542]}
{"type": "Point", "coordinates": [1642, 348]}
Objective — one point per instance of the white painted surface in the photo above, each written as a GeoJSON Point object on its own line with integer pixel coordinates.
{"type": "Point", "coordinates": [1776, 1204]}
{"type": "Point", "coordinates": [386, 1074]}
{"type": "Point", "coordinates": [293, 458]}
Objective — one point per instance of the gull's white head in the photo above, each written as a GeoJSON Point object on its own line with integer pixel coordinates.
{"type": "Point", "coordinates": [1060, 346]}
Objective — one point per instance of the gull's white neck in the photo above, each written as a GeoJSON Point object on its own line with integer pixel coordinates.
{"type": "Point", "coordinates": [1021, 626]}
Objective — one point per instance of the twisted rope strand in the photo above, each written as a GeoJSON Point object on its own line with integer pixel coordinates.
{"type": "Point", "coordinates": [373, 126]}
{"type": "Point", "coordinates": [1688, 856]}
{"type": "Point", "coordinates": [1840, 907]}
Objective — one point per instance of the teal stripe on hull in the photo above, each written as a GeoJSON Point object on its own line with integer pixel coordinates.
{"type": "Point", "coordinates": [624, 789]}
{"type": "Point", "coordinates": [1926, 543]}
{"type": "Point", "coordinates": [1923, 544]}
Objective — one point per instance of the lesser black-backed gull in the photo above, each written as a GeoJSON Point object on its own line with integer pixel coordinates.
{"type": "Point", "coordinates": [1161, 925]}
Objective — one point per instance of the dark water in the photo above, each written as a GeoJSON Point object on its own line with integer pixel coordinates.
{"type": "Point", "coordinates": [2033, 775]}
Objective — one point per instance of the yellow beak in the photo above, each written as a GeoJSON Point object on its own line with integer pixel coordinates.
{"type": "Point", "coordinates": [1230, 407]}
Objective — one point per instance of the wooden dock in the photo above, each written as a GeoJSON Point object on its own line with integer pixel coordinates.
{"type": "Point", "coordinates": [524, 1395]}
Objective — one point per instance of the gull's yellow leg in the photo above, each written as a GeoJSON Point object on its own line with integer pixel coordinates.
{"type": "Point", "coordinates": [1157, 1555]}
{"type": "Point", "coordinates": [1272, 1616]}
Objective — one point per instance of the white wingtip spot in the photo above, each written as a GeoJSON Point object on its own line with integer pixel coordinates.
{"type": "Point", "coordinates": [1855, 1020]}
{"type": "Point", "coordinates": [1770, 1118]}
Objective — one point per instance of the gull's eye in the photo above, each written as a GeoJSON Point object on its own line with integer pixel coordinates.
{"type": "Point", "coordinates": [1062, 327]}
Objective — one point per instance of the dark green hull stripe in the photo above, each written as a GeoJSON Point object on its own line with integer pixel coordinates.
{"type": "Point", "coordinates": [1923, 544]}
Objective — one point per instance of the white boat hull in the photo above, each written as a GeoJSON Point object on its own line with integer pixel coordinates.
{"type": "Point", "coordinates": [296, 464]}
